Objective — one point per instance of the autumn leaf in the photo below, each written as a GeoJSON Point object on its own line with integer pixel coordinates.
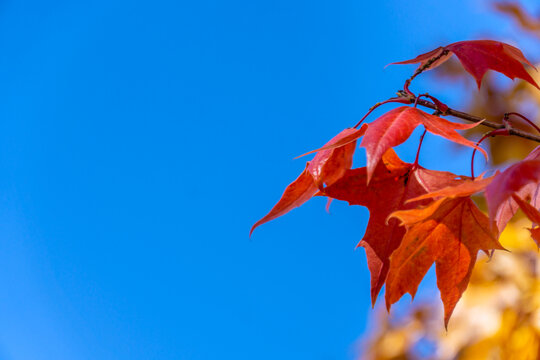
{"type": "Point", "coordinates": [479, 56]}
{"type": "Point", "coordinates": [328, 165]}
{"type": "Point", "coordinates": [436, 56]}
{"type": "Point", "coordinates": [343, 138]}
{"type": "Point", "coordinates": [393, 183]}
{"type": "Point", "coordinates": [395, 126]}
{"type": "Point", "coordinates": [531, 191]}
{"type": "Point", "coordinates": [464, 188]}
{"type": "Point", "coordinates": [449, 232]}
{"type": "Point", "coordinates": [533, 214]}
{"type": "Point", "coordinates": [298, 192]}
{"type": "Point", "coordinates": [335, 157]}
{"type": "Point", "coordinates": [509, 182]}
{"type": "Point", "coordinates": [381, 238]}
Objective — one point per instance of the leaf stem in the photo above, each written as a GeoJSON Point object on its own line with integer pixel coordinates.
{"type": "Point", "coordinates": [524, 118]}
{"type": "Point", "coordinates": [421, 69]}
{"type": "Point", "coordinates": [415, 165]}
{"type": "Point", "coordinates": [398, 99]}
{"type": "Point", "coordinates": [501, 132]}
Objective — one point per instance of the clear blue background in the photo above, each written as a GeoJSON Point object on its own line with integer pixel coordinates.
{"type": "Point", "coordinates": [139, 141]}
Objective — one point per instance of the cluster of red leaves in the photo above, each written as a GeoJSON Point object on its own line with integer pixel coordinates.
{"type": "Point", "coordinates": [418, 216]}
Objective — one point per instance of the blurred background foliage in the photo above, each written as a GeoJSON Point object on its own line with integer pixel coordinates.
{"type": "Point", "coordinates": [498, 316]}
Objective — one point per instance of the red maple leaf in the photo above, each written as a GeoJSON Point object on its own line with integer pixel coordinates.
{"type": "Point", "coordinates": [508, 207]}
{"type": "Point", "coordinates": [395, 126]}
{"type": "Point", "coordinates": [449, 232]}
{"type": "Point", "coordinates": [335, 157]}
{"type": "Point", "coordinates": [423, 59]}
{"type": "Point", "coordinates": [465, 187]}
{"type": "Point", "coordinates": [479, 56]}
{"type": "Point", "coordinates": [511, 181]}
{"type": "Point", "coordinates": [327, 166]}
{"type": "Point", "coordinates": [533, 214]}
{"type": "Point", "coordinates": [393, 183]}
{"type": "Point", "coordinates": [298, 192]}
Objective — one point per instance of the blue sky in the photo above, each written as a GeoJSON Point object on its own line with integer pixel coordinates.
{"type": "Point", "coordinates": [139, 141]}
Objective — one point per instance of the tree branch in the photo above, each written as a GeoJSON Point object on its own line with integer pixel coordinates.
{"type": "Point", "coordinates": [468, 117]}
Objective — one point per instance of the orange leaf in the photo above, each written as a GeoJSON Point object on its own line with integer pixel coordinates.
{"type": "Point", "coordinates": [449, 232]}
{"type": "Point", "coordinates": [535, 234]}
{"type": "Point", "coordinates": [465, 188]}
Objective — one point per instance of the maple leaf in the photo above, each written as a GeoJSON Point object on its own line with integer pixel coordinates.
{"type": "Point", "coordinates": [298, 192]}
{"type": "Point", "coordinates": [423, 59]}
{"type": "Point", "coordinates": [343, 138]}
{"type": "Point", "coordinates": [533, 214]}
{"type": "Point", "coordinates": [335, 157]}
{"type": "Point", "coordinates": [465, 187]}
{"type": "Point", "coordinates": [508, 207]}
{"type": "Point", "coordinates": [395, 126]}
{"type": "Point", "coordinates": [510, 181]}
{"type": "Point", "coordinates": [328, 165]}
{"type": "Point", "coordinates": [393, 183]}
{"type": "Point", "coordinates": [479, 56]}
{"type": "Point", "coordinates": [449, 232]}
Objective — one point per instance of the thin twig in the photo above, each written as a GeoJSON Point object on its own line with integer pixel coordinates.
{"type": "Point", "coordinates": [421, 69]}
